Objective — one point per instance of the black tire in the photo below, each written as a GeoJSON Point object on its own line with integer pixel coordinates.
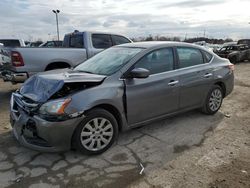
{"type": "Point", "coordinates": [233, 60]}
{"type": "Point", "coordinates": [98, 136]}
{"type": "Point", "coordinates": [208, 107]}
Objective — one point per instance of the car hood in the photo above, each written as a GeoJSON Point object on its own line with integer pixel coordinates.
{"type": "Point", "coordinates": [41, 87]}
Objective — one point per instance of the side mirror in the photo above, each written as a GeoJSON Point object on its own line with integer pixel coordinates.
{"type": "Point", "coordinates": [139, 73]}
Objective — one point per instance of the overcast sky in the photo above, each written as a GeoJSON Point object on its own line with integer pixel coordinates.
{"type": "Point", "coordinates": [33, 19]}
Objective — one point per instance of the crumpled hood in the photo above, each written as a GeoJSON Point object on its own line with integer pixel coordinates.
{"type": "Point", "coordinates": [42, 86]}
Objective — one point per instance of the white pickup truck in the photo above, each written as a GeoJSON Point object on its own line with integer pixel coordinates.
{"type": "Point", "coordinates": [77, 47]}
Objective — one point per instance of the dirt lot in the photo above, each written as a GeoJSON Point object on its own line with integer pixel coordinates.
{"type": "Point", "coordinates": [189, 150]}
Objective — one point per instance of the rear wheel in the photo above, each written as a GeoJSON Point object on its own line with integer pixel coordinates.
{"type": "Point", "coordinates": [96, 133]}
{"type": "Point", "coordinates": [213, 101]}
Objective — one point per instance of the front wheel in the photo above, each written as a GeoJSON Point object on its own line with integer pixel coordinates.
{"type": "Point", "coordinates": [213, 101]}
{"type": "Point", "coordinates": [96, 133]}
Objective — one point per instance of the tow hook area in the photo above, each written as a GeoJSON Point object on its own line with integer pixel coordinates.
{"type": "Point", "coordinates": [29, 129]}
{"type": "Point", "coordinates": [29, 132]}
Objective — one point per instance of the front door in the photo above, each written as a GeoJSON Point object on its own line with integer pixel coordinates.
{"type": "Point", "coordinates": [156, 95]}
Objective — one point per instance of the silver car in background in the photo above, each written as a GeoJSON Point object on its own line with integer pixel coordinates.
{"type": "Point", "coordinates": [118, 89]}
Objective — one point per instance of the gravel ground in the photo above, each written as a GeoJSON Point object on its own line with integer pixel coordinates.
{"type": "Point", "coordinates": [189, 150]}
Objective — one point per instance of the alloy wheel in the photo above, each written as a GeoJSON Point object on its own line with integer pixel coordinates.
{"type": "Point", "coordinates": [215, 100]}
{"type": "Point", "coordinates": [97, 134]}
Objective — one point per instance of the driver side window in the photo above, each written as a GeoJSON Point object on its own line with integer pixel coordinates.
{"type": "Point", "coordinates": [158, 61]}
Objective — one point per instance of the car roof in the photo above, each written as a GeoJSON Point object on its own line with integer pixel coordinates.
{"type": "Point", "coordinates": [154, 44]}
{"type": "Point", "coordinates": [95, 32]}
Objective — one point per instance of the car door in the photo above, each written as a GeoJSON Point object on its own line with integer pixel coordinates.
{"type": "Point", "coordinates": [195, 76]}
{"type": "Point", "coordinates": [156, 95]}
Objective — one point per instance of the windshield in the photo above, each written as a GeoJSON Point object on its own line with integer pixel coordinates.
{"type": "Point", "coordinates": [109, 61]}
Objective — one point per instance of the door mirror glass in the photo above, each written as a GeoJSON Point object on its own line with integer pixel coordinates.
{"type": "Point", "coordinates": [139, 73]}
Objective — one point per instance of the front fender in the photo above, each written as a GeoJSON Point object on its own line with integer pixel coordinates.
{"type": "Point", "coordinates": [105, 94]}
{"type": "Point", "coordinates": [234, 54]}
{"type": "Point", "coordinates": [111, 94]}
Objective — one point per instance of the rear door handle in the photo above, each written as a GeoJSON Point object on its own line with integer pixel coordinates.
{"type": "Point", "coordinates": [173, 82]}
{"type": "Point", "coordinates": [208, 75]}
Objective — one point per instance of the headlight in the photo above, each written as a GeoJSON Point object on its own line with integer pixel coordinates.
{"type": "Point", "coordinates": [54, 107]}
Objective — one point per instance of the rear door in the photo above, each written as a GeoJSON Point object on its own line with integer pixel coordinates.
{"type": "Point", "coordinates": [156, 95]}
{"type": "Point", "coordinates": [195, 76]}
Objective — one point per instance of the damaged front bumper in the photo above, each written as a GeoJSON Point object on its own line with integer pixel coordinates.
{"type": "Point", "coordinates": [36, 133]}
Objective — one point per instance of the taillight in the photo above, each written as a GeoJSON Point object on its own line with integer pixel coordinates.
{"type": "Point", "coordinates": [231, 67]}
{"type": "Point", "coordinates": [16, 58]}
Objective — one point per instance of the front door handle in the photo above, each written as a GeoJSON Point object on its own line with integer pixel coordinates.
{"type": "Point", "coordinates": [173, 82]}
{"type": "Point", "coordinates": [208, 75]}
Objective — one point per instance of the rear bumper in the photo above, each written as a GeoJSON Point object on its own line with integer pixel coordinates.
{"type": "Point", "coordinates": [15, 77]}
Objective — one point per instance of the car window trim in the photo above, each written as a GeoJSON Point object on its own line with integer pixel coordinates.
{"type": "Point", "coordinates": [175, 70]}
{"type": "Point", "coordinates": [204, 58]}
{"type": "Point", "coordinates": [199, 65]}
{"type": "Point", "coordinates": [156, 50]}
{"type": "Point", "coordinates": [123, 77]}
{"type": "Point", "coordinates": [178, 60]}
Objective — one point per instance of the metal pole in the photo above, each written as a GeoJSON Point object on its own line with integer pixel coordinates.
{"type": "Point", "coordinates": [57, 26]}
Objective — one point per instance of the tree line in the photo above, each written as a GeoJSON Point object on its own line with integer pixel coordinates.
{"type": "Point", "coordinates": [178, 39]}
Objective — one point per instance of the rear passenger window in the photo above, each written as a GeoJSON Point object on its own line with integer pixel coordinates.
{"type": "Point", "coordinates": [189, 57]}
{"type": "Point", "coordinates": [119, 40]}
{"type": "Point", "coordinates": [158, 61]}
{"type": "Point", "coordinates": [76, 41]}
{"type": "Point", "coordinates": [101, 41]}
{"type": "Point", "coordinates": [207, 56]}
